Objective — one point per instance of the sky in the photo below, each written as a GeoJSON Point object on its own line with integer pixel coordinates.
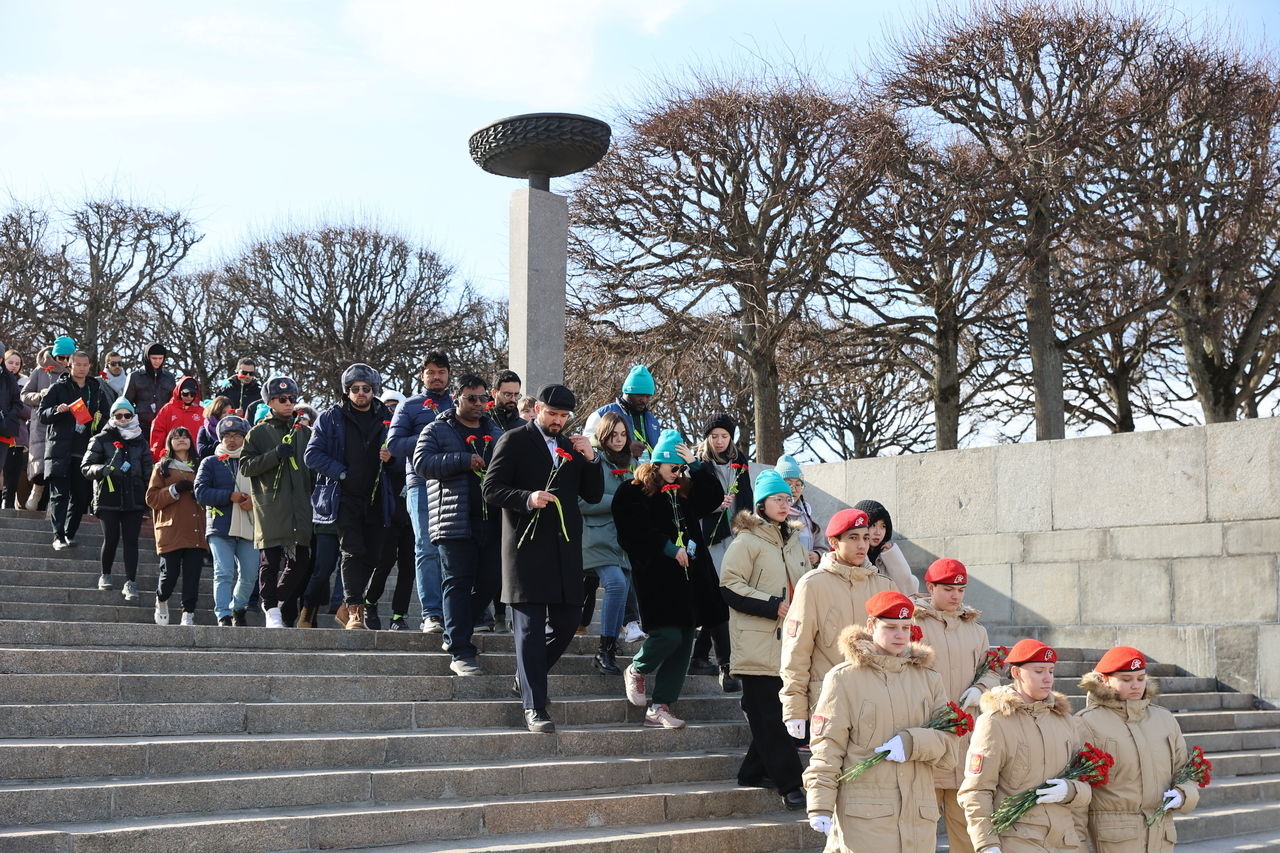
{"type": "Point", "coordinates": [264, 115]}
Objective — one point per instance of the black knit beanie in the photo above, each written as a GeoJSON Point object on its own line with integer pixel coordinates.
{"type": "Point", "coordinates": [720, 421]}
{"type": "Point", "coordinates": [876, 512]}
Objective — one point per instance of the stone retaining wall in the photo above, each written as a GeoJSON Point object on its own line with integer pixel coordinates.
{"type": "Point", "coordinates": [1167, 540]}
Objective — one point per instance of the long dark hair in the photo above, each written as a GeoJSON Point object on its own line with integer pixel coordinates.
{"type": "Point", "coordinates": [608, 422]}
{"type": "Point", "coordinates": [784, 527]}
{"type": "Point", "coordinates": [170, 456]}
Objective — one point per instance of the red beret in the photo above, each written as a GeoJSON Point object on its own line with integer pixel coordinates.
{"type": "Point", "coordinates": [1122, 659]}
{"type": "Point", "coordinates": [948, 571]}
{"type": "Point", "coordinates": [846, 519]}
{"type": "Point", "coordinates": [1031, 651]}
{"type": "Point", "coordinates": [890, 604]}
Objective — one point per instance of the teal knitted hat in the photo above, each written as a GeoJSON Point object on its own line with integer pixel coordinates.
{"type": "Point", "coordinates": [769, 483]}
{"type": "Point", "coordinates": [639, 381]}
{"type": "Point", "coordinates": [63, 345]}
{"type": "Point", "coordinates": [122, 403]}
{"type": "Point", "coordinates": [788, 468]}
{"type": "Point", "coordinates": [665, 449]}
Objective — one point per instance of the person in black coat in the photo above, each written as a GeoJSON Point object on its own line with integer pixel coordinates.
{"type": "Point", "coordinates": [151, 387]}
{"type": "Point", "coordinates": [242, 389]}
{"type": "Point", "coordinates": [72, 410]}
{"type": "Point", "coordinates": [533, 469]}
{"type": "Point", "coordinates": [118, 463]}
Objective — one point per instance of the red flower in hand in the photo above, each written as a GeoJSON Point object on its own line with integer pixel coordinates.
{"type": "Point", "coordinates": [223, 457]}
{"type": "Point", "coordinates": [917, 633]}
{"type": "Point", "coordinates": [119, 445]}
{"type": "Point", "coordinates": [386, 423]}
{"type": "Point", "coordinates": [563, 454]}
{"type": "Point", "coordinates": [672, 487]}
{"type": "Point", "coordinates": [428, 403]}
{"type": "Point", "coordinates": [488, 439]}
{"type": "Point", "coordinates": [738, 466]}
{"type": "Point", "coordinates": [491, 405]}
{"type": "Point", "coordinates": [619, 471]}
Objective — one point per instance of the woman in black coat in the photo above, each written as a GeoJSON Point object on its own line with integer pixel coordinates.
{"type": "Point", "coordinates": [657, 516]}
{"type": "Point", "coordinates": [118, 463]}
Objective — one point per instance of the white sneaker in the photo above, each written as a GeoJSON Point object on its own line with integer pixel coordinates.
{"type": "Point", "coordinates": [104, 581]}
{"type": "Point", "coordinates": [274, 619]}
{"type": "Point", "coordinates": [432, 625]}
{"type": "Point", "coordinates": [162, 612]}
{"type": "Point", "coordinates": [660, 717]}
{"type": "Point", "coordinates": [631, 633]}
{"type": "Point", "coordinates": [59, 544]}
{"type": "Point", "coordinates": [634, 685]}
{"type": "Point", "coordinates": [33, 499]}
{"type": "Point", "coordinates": [188, 618]}
{"type": "Point", "coordinates": [548, 631]}
{"type": "Point", "coordinates": [130, 590]}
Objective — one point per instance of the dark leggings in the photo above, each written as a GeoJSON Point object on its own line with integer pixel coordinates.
{"type": "Point", "coordinates": [186, 562]}
{"type": "Point", "coordinates": [14, 463]}
{"type": "Point", "coordinates": [120, 525]}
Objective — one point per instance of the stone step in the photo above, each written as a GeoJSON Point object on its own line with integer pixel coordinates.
{"type": "Point", "coordinates": [1236, 741]}
{"type": "Point", "coordinates": [43, 660]}
{"type": "Point", "coordinates": [1074, 669]}
{"type": "Point", "coordinates": [1226, 821]}
{"type": "Point", "coordinates": [1268, 840]}
{"type": "Point", "coordinates": [158, 756]}
{"type": "Point", "coordinates": [1236, 790]}
{"type": "Point", "coordinates": [40, 521]}
{"type": "Point", "coordinates": [1179, 702]}
{"type": "Point", "coordinates": [83, 553]}
{"type": "Point", "coordinates": [111, 799]}
{"type": "Point", "coordinates": [367, 824]}
{"type": "Point", "coordinates": [1209, 721]}
{"type": "Point", "coordinates": [1168, 684]}
{"type": "Point", "coordinates": [125, 718]}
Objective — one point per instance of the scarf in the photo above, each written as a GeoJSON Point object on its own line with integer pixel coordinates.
{"type": "Point", "coordinates": [176, 464]}
{"type": "Point", "coordinates": [221, 450]}
{"type": "Point", "coordinates": [130, 429]}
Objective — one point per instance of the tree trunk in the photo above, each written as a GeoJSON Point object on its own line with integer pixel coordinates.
{"type": "Point", "coordinates": [1046, 354]}
{"type": "Point", "coordinates": [1214, 386]}
{"type": "Point", "coordinates": [768, 415]}
{"type": "Point", "coordinates": [946, 386]}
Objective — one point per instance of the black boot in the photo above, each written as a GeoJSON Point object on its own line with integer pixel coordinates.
{"type": "Point", "coordinates": [371, 619]}
{"type": "Point", "coordinates": [238, 619]}
{"type": "Point", "coordinates": [702, 666]}
{"type": "Point", "coordinates": [604, 661]}
{"type": "Point", "coordinates": [728, 683]}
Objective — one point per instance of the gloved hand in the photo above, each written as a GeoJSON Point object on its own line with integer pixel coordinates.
{"type": "Point", "coordinates": [1174, 799]}
{"type": "Point", "coordinates": [109, 469]}
{"type": "Point", "coordinates": [990, 850]}
{"type": "Point", "coordinates": [970, 697]}
{"type": "Point", "coordinates": [1053, 791]}
{"type": "Point", "coordinates": [795, 728]}
{"type": "Point", "coordinates": [895, 747]}
{"type": "Point", "coordinates": [820, 823]}
{"type": "Point", "coordinates": [284, 451]}
{"type": "Point", "coordinates": [184, 486]}
{"type": "Point", "coordinates": [126, 465]}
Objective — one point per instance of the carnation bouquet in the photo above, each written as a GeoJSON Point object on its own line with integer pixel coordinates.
{"type": "Point", "coordinates": [949, 718]}
{"type": "Point", "coordinates": [1091, 765]}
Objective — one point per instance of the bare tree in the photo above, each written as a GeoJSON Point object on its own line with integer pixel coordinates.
{"type": "Point", "coordinates": [725, 204]}
{"type": "Point", "coordinates": [35, 279]}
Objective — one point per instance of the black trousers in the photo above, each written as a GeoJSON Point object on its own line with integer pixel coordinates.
{"type": "Point", "coordinates": [120, 526]}
{"type": "Point", "coordinates": [68, 501]}
{"type": "Point", "coordinates": [717, 635]}
{"type": "Point", "coordinates": [397, 553]}
{"type": "Point", "coordinates": [772, 752]}
{"type": "Point", "coordinates": [280, 576]}
{"type": "Point", "coordinates": [186, 562]}
{"type": "Point", "coordinates": [537, 651]}
{"type": "Point", "coordinates": [15, 461]}
{"type": "Point", "coordinates": [360, 534]}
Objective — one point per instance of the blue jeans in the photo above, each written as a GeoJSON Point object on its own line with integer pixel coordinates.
{"type": "Point", "coordinates": [614, 582]}
{"type": "Point", "coordinates": [235, 573]}
{"type": "Point", "coordinates": [472, 571]}
{"type": "Point", "coordinates": [426, 561]}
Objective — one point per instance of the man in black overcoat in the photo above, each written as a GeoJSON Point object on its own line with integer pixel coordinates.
{"type": "Point", "coordinates": [533, 468]}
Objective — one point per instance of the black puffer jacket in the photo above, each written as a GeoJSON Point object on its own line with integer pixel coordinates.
{"type": "Point", "coordinates": [243, 397]}
{"type": "Point", "coordinates": [149, 390]}
{"type": "Point", "coordinates": [125, 490]}
{"type": "Point", "coordinates": [443, 459]}
{"type": "Point", "coordinates": [65, 444]}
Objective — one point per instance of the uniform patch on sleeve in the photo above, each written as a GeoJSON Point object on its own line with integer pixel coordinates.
{"type": "Point", "coordinates": [975, 763]}
{"type": "Point", "coordinates": [817, 725]}
{"type": "Point", "coordinates": [793, 627]}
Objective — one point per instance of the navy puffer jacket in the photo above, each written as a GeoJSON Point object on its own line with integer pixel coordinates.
{"type": "Point", "coordinates": [443, 459]}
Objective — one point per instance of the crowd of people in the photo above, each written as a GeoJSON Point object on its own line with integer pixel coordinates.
{"type": "Point", "coordinates": [494, 515]}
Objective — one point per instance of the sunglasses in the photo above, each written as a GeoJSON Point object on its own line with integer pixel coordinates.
{"type": "Point", "coordinates": [679, 470]}
{"type": "Point", "coordinates": [477, 398]}
{"type": "Point", "coordinates": [62, 358]}
{"type": "Point", "coordinates": [122, 416]}
{"type": "Point", "coordinates": [115, 364]}
{"type": "Point", "coordinates": [362, 389]}
{"type": "Point", "coordinates": [286, 399]}
{"type": "Point", "coordinates": [248, 373]}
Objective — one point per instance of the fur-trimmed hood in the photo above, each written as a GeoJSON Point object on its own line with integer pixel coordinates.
{"type": "Point", "coordinates": [924, 607]}
{"type": "Point", "coordinates": [860, 651]}
{"type": "Point", "coordinates": [1005, 701]}
{"type": "Point", "coordinates": [1102, 695]}
{"type": "Point", "coordinates": [829, 563]}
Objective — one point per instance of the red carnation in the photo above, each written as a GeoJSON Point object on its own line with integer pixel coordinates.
{"type": "Point", "coordinates": [563, 454]}
{"type": "Point", "coordinates": [917, 633]}
{"type": "Point", "coordinates": [673, 487]}
{"type": "Point", "coordinates": [386, 423]}
{"type": "Point", "coordinates": [619, 471]}
{"type": "Point", "coordinates": [223, 457]}
{"type": "Point", "coordinates": [428, 403]}
{"type": "Point", "coordinates": [488, 438]}
{"type": "Point", "coordinates": [491, 405]}
{"type": "Point", "coordinates": [738, 466]}
{"type": "Point", "coordinates": [119, 445]}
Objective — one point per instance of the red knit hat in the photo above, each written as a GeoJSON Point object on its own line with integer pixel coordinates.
{"type": "Point", "coordinates": [890, 604]}
{"type": "Point", "coordinates": [948, 571]}
{"type": "Point", "coordinates": [1121, 659]}
{"type": "Point", "coordinates": [846, 519]}
{"type": "Point", "coordinates": [1031, 651]}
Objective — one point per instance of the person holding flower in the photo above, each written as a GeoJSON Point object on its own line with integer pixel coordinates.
{"type": "Point", "coordinates": [1024, 739]}
{"type": "Point", "coordinates": [959, 643]}
{"type": "Point", "coordinates": [883, 700]}
{"type": "Point", "coordinates": [657, 515]}
{"type": "Point", "coordinates": [118, 463]}
{"type": "Point", "coordinates": [226, 494]}
{"type": "Point", "coordinates": [1149, 750]}
{"type": "Point", "coordinates": [760, 571]}
{"type": "Point", "coordinates": [179, 524]}
{"type": "Point", "coordinates": [632, 405]}
{"type": "Point", "coordinates": [601, 553]}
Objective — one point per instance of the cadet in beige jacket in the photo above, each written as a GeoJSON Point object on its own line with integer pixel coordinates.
{"type": "Point", "coordinates": [959, 644]}
{"type": "Point", "coordinates": [1025, 735]}
{"type": "Point", "coordinates": [827, 600]}
{"type": "Point", "coordinates": [1148, 748]}
{"type": "Point", "coordinates": [879, 700]}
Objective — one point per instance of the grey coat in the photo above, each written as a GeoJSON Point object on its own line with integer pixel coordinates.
{"type": "Point", "coordinates": [33, 394]}
{"type": "Point", "coordinates": [599, 536]}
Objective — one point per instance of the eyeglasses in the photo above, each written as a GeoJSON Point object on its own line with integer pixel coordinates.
{"type": "Point", "coordinates": [362, 389]}
{"type": "Point", "coordinates": [477, 398]}
{"type": "Point", "coordinates": [286, 399]}
{"type": "Point", "coordinates": [122, 416]}
{"type": "Point", "coordinates": [115, 364]}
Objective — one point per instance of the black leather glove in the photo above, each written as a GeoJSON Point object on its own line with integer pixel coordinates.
{"type": "Point", "coordinates": [184, 486]}
{"type": "Point", "coordinates": [284, 451]}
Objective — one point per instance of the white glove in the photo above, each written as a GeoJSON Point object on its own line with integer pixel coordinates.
{"type": "Point", "coordinates": [895, 747]}
{"type": "Point", "coordinates": [1174, 799]}
{"type": "Point", "coordinates": [795, 728]}
{"type": "Point", "coordinates": [970, 697]}
{"type": "Point", "coordinates": [820, 823]}
{"type": "Point", "coordinates": [990, 850]}
{"type": "Point", "coordinates": [1053, 791]}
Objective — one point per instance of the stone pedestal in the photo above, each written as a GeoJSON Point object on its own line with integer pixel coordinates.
{"type": "Point", "coordinates": [539, 250]}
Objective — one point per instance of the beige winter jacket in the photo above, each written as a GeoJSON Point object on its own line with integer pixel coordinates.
{"type": "Point", "coordinates": [958, 644]}
{"type": "Point", "coordinates": [1019, 745]}
{"type": "Point", "coordinates": [759, 571]}
{"type": "Point", "coordinates": [865, 701]}
{"type": "Point", "coordinates": [1148, 748]}
{"type": "Point", "coordinates": [827, 600]}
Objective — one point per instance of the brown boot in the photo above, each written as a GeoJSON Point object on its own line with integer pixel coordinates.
{"type": "Point", "coordinates": [342, 615]}
{"type": "Point", "coordinates": [355, 616]}
{"type": "Point", "coordinates": [307, 616]}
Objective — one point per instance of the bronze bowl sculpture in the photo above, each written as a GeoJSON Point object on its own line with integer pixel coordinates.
{"type": "Point", "coordinates": [540, 146]}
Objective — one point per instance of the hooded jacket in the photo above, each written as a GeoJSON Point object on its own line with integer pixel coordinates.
{"type": "Point", "coordinates": [959, 644]}
{"type": "Point", "coordinates": [827, 601]}
{"type": "Point", "coordinates": [1018, 745]}
{"type": "Point", "coordinates": [244, 397]}
{"type": "Point", "coordinates": [410, 419]}
{"type": "Point", "coordinates": [641, 426]}
{"type": "Point", "coordinates": [149, 390]}
{"type": "Point", "coordinates": [1149, 748]}
{"type": "Point", "coordinates": [326, 454]}
{"type": "Point", "coordinates": [175, 414]}
{"type": "Point", "coordinates": [758, 573]}
{"type": "Point", "coordinates": [865, 701]}
{"type": "Point", "coordinates": [65, 440]}
{"type": "Point", "coordinates": [46, 373]}
{"type": "Point", "coordinates": [115, 489]}
{"type": "Point", "coordinates": [281, 505]}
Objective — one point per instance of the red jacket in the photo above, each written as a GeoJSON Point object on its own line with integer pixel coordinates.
{"type": "Point", "coordinates": [174, 414]}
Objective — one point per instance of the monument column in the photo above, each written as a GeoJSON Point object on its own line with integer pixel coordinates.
{"type": "Point", "coordinates": [539, 146]}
